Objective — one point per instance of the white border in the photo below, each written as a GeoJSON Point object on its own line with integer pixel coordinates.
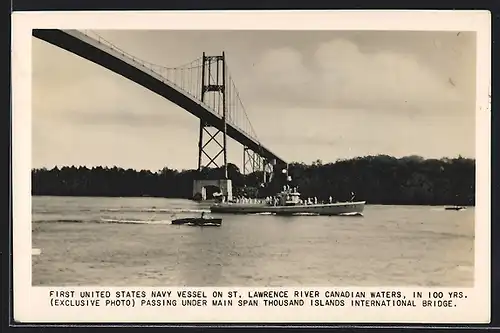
{"type": "Point", "coordinates": [31, 303]}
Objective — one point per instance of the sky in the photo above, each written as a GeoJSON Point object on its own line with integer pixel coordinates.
{"type": "Point", "coordinates": [310, 95]}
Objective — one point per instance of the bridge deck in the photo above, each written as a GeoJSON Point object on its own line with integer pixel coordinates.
{"type": "Point", "coordinates": [91, 49]}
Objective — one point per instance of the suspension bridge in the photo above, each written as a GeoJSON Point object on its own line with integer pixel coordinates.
{"type": "Point", "coordinates": [203, 87]}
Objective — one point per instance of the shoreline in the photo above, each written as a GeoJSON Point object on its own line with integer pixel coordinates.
{"type": "Point", "coordinates": [208, 201]}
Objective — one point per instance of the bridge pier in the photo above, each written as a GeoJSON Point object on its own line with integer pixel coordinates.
{"type": "Point", "coordinates": [224, 185]}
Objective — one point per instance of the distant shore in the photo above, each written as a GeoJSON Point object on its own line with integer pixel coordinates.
{"type": "Point", "coordinates": [378, 179]}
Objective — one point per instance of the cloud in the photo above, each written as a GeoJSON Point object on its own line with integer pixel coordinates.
{"type": "Point", "coordinates": [281, 74]}
{"type": "Point", "coordinates": [283, 66]}
{"type": "Point", "coordinates": [308, 96]}
{"type": "Point", "coordinates": [339, 74]}
{"type": "Point", "coordinates": [122, 117]}
{"type": "Point", "coordinates": [82, 93]}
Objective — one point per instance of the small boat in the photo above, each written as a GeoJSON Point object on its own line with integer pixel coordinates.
{"type": "Point", "coordinates": [199, 221]}
{"type": "Point", "coordinates": [455, 208]}
{"type": "Point", "coordinates": [206, 223]}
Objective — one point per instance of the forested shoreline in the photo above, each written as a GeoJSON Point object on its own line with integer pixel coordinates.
{"type": "Point", "coordinates": [378, 179]}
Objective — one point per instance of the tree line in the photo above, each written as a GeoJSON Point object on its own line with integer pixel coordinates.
{"type": "Point", "coordinates": [380, 179]}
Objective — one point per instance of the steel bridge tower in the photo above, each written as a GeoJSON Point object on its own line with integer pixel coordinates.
{"type": "Point", "coordinates": [213, 81]}
{"type": "Point", "coordinates": [214, 89]}
{"type": "Point", "coordinates": [253, 162]}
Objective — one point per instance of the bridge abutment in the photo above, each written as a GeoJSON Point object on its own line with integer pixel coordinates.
{"type": "Point", "coordinates": [225, 186]}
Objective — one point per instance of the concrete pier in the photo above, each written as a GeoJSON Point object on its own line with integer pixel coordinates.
{"type": "Point", "coordinates": [225, 186]}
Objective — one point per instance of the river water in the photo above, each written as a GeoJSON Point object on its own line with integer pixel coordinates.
{"type": "Point", "coordinates": [130, 242]}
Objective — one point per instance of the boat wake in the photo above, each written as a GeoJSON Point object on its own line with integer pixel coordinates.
{"type": "Point", "coordinates": [105, 220]}
{"type": "Point", "coordinates": [63, 221]}
{"type": "Point", "coordinates": [305, 214]}
{"type": "Point", "coordinates": [351, 214]}
{"type": "Point", "coordinates": [122, 221]}
{"type": "Point", "coordinates": [316, 214]}
{"type": "Point", "coordinates": [154, 210]}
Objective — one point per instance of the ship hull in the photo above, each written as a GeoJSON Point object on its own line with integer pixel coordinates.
{"type": "Point", "coordinates": [340, 208]}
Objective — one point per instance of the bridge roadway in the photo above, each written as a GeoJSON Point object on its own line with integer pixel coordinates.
{"type": "Point", "coordinates": [91, 49]}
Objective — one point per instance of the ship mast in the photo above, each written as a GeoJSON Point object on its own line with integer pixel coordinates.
{"type": "Point", "coordinates": [288, 177]}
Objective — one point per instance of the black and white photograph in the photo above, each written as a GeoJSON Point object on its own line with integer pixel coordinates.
{"type": "Point", "coordinates": [254, 157]}
{"type": "Point", "coordinates": [316, 158]}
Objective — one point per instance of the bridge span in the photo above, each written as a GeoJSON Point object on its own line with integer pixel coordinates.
{"type": "Point", "coordinates": [191, 95]}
